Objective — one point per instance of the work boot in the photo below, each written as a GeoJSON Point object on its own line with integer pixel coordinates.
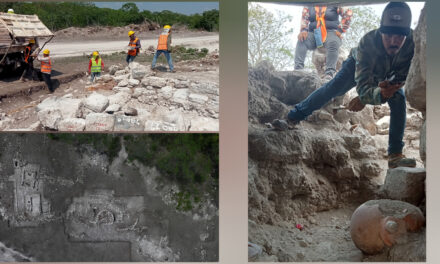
{"type": "Point", "coordinates": [399, 160]}
{"type": "Point", "coordinates": [283, 125]}
{"type": "Point", "coordinates": [327, 77]}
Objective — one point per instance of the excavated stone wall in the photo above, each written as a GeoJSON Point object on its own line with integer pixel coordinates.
{"type": "Point", "coordinates": [60, 202]}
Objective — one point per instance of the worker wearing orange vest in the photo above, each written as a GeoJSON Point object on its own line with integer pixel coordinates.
{"type": "Point", "coordinates": [133, 47]}
{"type": "Point", "coordinates": [46, 69]}
{"type": "Point", "coordinates": [29, 61]}
{"type": "Point", "coordinates": [96, 65]}
{"type": "Point", "coordinates": [320, 26]}
{"type": "Point", "coordinates": [164, 46]}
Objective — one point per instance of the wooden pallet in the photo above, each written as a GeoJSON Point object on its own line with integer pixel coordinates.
{"type": "Point", "coordinates": [22, 26]}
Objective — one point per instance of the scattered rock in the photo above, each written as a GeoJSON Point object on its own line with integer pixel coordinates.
{"type": "Point", "coordinates": [120, 73]}
{"type": "Point", "coordinates": [414, 121]}
{"type": "Point", "coordinates": [68, 107]}
{"type": "Point", "coordinates": [139, 73]}
{"type": "Point", "coordinates": [180, 96]}
{"type": "Point", "coordinates": [106, 78]}
{"type": "Point", "coordinates": [72, 124]}
{"type": "Point", "coordinates": [198, 98]}
{"type": "Point", "coordinates": [112, 108]}
{"type": "Point", "coordinates": [127, 123]}
{"type": "Point", "coordinates": [254, 251]}
{"type": "Point", "coordinates": [383, 123]}
{"type": "Point", "coordinates": [405, 184]}
{"type": "Point", "coordinates": [205, 88]}
{"type": "Point", "coordinates": [96, 102]}
{"type": "Point", "coordinates": [119, 98]}
{"type": "Point", "coordinates": [166, 92]}
{"type": "Point", "coordinates": [153, 125]}
{"type": "Point", "coordinates": [137, 92]}
{"type": "Point", "coordinates": [415, 86]}
{"type": "Point", "coordinates": [130, 111]}
{"type": "Point", "coordinates": [123, 83]}
{"type": "Point", "coordinates": [133, 82]}
{"type": "Point", "coordinates": [99, 122]}
{"type": "Point", "coordinates": [113, 69]}
{"type": "Point", "coordinates": [155, 82]}
{"type": "Point", "coordinates": [50, 117]}
{"type": "Point", "coordinates": [118, 89]}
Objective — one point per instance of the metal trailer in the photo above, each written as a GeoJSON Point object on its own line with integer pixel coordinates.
{"type": "Point", "coordinates": [15, 32]}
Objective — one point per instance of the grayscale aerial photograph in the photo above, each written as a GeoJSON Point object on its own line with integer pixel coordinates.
{"type": "Point", "coordinates": [109, 197]}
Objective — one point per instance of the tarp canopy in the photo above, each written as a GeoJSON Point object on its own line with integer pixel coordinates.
{"type": "Point", "coordinates": [24, 26]}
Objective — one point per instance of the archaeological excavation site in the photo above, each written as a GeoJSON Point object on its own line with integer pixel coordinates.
{"type": "Point", "coordinates": [322, 190]}
{"type": "Point", "coordinates": [108, 197]}
{"type": "Point", "coordinates": [123, 97]}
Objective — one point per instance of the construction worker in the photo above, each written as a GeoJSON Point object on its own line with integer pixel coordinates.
{"type": "Point", "coordinates": [320, 27]}
{"type": "Point", "coordinates": [11, 11]}
{"type": "Point", "coordinates": [381, 54]}
{"type": "Point", "coordinates": [164, 46]}
{"type": "Point", "coordinates": [29, 60]}
{"type": "Point", "coordinates": [134, 46]}
{"type": "Point", "coordinates": [96, 65]}
{"type": "Point", "coordinates": [46, 69]}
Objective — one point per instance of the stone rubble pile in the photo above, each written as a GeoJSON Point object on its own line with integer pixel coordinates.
{"type": "Point", "coordinates": [140, 101]}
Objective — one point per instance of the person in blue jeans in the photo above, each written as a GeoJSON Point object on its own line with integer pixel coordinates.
{"type": "Point", "coordinates": [382, 54]}
{"type": "Point", "coordinates": [164, 46]}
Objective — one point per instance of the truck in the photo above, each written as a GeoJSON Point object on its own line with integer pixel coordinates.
{"type": "Point", "coordinates": [15, 32]}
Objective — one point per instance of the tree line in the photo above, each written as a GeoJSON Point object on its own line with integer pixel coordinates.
{"type": "Point", "coordinates": [60, 15]}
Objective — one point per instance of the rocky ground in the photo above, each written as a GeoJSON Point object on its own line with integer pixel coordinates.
{"type": "Point", "coordinates": [316, 174]}
{"type": "Point", "coordinates": [322, 190]}
{"type": "Point", "coordinates": [183, 101]}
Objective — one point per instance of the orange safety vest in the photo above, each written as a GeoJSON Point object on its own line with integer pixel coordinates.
{"type": "Point", "coordinates": [163, 39]}
{"type": "Point", "coordinates": [27, 54]}
{"type": "Point", "coordinates": [321, 22]}
{"type": "Point", "coordinates": [132, 43]}
{"type": "Point", "coordinates": [46, 67]}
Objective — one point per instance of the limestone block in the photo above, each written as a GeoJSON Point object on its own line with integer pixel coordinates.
{"type": "Point", "coordinates": [99, 122]}
{"type": "Point", "coordinates": [405, 184]}
{"type": "Point", "coordinates": [72, 124]}
{"type": "Point", "coordinates": [96, 102]}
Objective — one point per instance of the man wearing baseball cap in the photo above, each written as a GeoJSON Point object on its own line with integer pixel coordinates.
{"type": "Point", "coordinates": [377, 68]}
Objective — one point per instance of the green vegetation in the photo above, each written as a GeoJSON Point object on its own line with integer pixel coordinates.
{"type": "Point", "coordinates": [105, 143]}
{"type": "Point", "coordinates": [182, 53]}
{"type": "Point", "coordinates": [60, 15]}
{"type": "Point", "coordinates": [191, 160]}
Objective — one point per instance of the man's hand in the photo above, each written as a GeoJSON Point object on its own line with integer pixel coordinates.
{"type": "Point", "coordinates": [302, 36]}
{"type": "Point", "coordinates": [356, 105]}
{"type": "Point", "coordinates": [387, 90]}
{"type": "Point", "coordinates": [339, 34]}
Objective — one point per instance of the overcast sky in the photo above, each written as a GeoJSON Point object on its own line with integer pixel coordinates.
{"type": "Point", "coordinates": [187, 8]}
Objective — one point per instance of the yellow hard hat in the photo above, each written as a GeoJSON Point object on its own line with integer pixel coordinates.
{"type": "Point", "coordinates": [46, 51]}
{"type": "Point", "coordinates": [130, 33]}
{"type": "Point", "coordinates": [167, 27]}
{"type": "Point", "coordinates": [95, 53]}
{"type": "Point", "coordinates": [32, 41]}
{"type": "Point", "coordinates": [10, 11]}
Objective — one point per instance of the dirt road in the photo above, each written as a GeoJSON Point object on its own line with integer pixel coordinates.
{"type": "Point", "coordinates": [69, 49]}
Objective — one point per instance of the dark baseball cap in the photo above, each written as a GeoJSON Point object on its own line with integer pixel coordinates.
{"type": "Point", "coordinates": [396, 19]}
